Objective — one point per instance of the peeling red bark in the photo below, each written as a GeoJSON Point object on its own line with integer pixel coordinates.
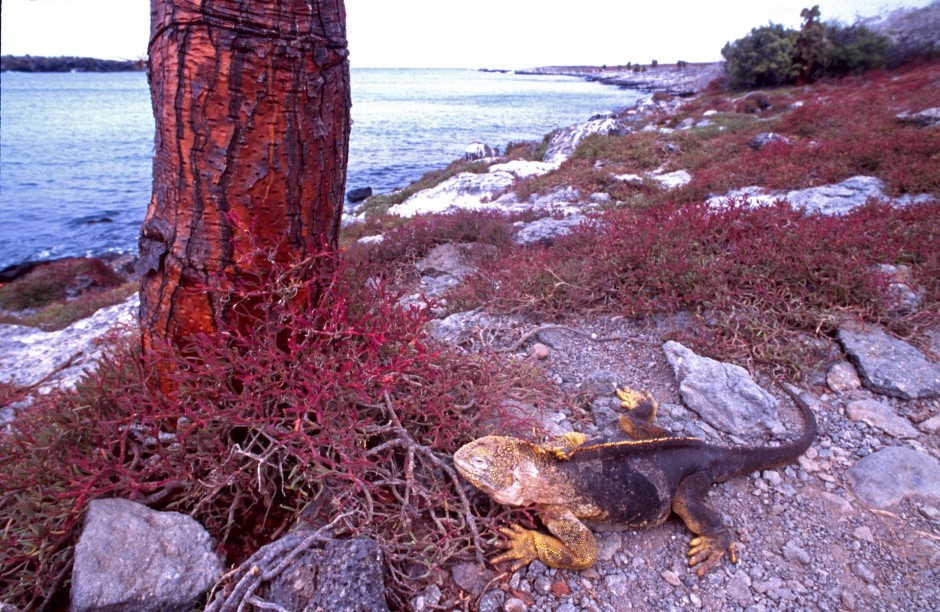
{"type": "Point", "coordinates": [251, 101]}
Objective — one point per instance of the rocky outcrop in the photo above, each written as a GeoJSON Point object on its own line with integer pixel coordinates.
{"type": "Point", "coordinates": [29, 356]}
{"type": "Point", "coordinates": [890, 366]}
{"type": "Point", "coordinates": [547, 229]}
{"type": "Point", "coordinates": [130, 557]}
{"type": "Point", "coordinates": [924, 118]}
{"type": "Point", "coordinates": [565, 141]}
{"type": "Point", "coordinates": [466, 191]}
{"type": "Point", "coordinates": [836, 199]}
{"type": "Point", "coordinates": [478, 150]}
{"type": "Point", "coordinates": [723, 394]}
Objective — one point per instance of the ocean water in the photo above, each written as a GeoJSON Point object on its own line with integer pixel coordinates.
{"type": "Point", "coordinates": [75, 149]}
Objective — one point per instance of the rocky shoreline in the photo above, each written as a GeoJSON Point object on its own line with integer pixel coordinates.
{"type": "Point", "coordinates": [30, 63]}
{"type": "Point", "coordinates": [682, 80]}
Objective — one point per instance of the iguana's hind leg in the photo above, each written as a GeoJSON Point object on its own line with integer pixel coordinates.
{"type": "Point", "coordinates": [713, 538]}
{"type": "Point", "coordinates": [638, 422]}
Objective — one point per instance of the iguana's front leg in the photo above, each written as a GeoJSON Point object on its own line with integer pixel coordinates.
{"type": "Point", "coordinates": [638, 422]}
{"type": "Point", "coordinates": [571, 545]}
{"type": "Point", "coordinates": [561, 445]}
{"type": "Point", "coordinates": [713, 537]}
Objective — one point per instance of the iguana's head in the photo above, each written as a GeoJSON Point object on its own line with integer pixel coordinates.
{"type": "Point", "coordinates": [502, 467]}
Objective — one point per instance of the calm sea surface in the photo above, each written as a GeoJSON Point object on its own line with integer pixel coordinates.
{"type": "Point", "coordinates": [75, 149]}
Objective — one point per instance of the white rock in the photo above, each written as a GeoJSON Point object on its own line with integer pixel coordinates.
{"type": "Point", "coordinates": [567, 140]}
{"type": "Point", "coordinates": [378, 238]}
{"type": "Point", "coordinates": [28, 355]}
{"type": "Point", "coordinates": [463, 191]}
{"type": "Point", "coordinates": [635, 179]}
{"type": "Point", "coordinates": [673, 180]}
{"type": "Point", "coordinates": [478, 150]}
{"type": "Point", "coordinates": [523, 169]}
{"type": "Point", "coordinates": [836, 199]}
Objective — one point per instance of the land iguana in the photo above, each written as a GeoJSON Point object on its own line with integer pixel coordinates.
{"type": "Point", "coordinates": [639, 482]}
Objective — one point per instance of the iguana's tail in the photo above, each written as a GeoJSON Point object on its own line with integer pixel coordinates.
{"type": "Point", "coordinates": [769, 457]}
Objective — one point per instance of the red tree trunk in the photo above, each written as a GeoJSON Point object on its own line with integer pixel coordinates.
{"type": "Point", "coordinates": [251, 101]}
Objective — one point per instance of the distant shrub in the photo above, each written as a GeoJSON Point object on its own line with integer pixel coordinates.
{"type": "Point", "coordinates": [852, 50]}
{"type": "Point", "coordinates": [773, 55]}
{"type": "Point", "coordinates": [763, 58]}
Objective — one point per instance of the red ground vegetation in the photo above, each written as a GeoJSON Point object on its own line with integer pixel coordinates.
{"type": "Point", "coordinates": [763, 281]}
{"type": "Point", "coordinates": [339, 409]}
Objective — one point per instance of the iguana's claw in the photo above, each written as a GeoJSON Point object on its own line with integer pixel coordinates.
{"type": "Point", "coordinates": [519, 545]}
{"type": "Point", "coordinates": [707, 551]}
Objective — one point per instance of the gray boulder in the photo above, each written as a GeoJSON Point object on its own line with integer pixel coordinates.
{"type": "Point", "coordinates": [130, 557]}
{"type": "Point", "coordinates": [882, 416]}
{"type": "Point", "coordinates": [765, 138]}
{"type": "Point", "coordinates": [466, 190]}
{"type": "Point", "coordinates": [889, 365]}
{"type": "Point", "coordinates": [547, 230]}
{"type": "Point", "coordinates": [723, 394]}
{"type": "Point", "coordinates": [892, 474]}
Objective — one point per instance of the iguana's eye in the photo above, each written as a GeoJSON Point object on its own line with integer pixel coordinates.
{"type": "Point", "coordinates": [479, 462]}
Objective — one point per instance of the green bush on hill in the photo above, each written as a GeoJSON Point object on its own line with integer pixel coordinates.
{"type": "Point", "coordinates": [773, 55]}
{"type": "Point", "coordinates": [762, 58]}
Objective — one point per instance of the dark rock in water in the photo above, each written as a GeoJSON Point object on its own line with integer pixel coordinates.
{"type": "Point", "coordinates": [358, 195]}
{"type": "Point", "coordinates": [11, 273]}
{"type": "Point", "coordinates": [130, 557]}
{"type": "Point", "coordinates": [61, 279]}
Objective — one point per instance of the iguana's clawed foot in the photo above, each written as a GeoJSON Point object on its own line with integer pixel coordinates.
{"type": "Point", "coordinates": [562, 445]}
{"type": "Point", "coordinates": [707, 551]}
{"type": "Point", "coordinates": [520, 547]}
{"type": "Point", "coordinates": [631, 400]}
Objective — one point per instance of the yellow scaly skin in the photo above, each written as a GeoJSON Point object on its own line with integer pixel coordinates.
{"type": "Point", "coordinates": [638, 482]}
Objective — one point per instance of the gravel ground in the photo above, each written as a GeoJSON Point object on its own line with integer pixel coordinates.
{"type": "Point", "coordinates": [805, 541]}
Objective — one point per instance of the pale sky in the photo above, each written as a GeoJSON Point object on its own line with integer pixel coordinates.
{"type": "Point", "coordinates": [455, 33]}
